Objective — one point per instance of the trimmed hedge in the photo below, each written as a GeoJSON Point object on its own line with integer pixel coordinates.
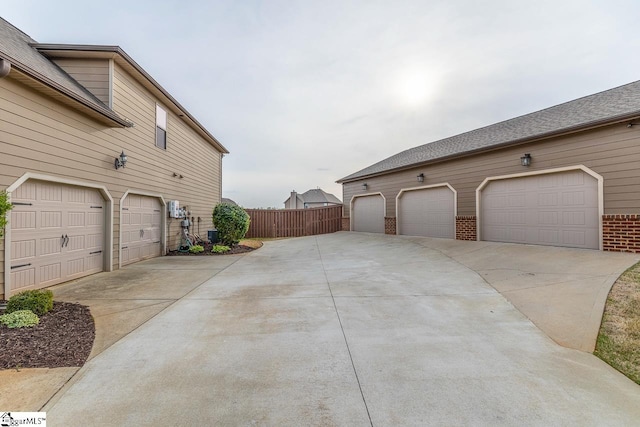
{"type": "Point", "coordinates": [232, 223]}
{"type": "Point", "coordinates": [39, 301]}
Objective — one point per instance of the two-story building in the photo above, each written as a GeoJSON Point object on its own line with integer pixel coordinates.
{"type": "Point", "coordinates": [92, 149]}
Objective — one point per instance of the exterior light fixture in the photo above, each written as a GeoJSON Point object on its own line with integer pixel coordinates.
{"type": "Point", "coordinates": [121, 161]}
{"type": "Point", "coordinates": [525, 160]}
{"type": "Point", "coordinates": [420, 177]}
{"type": "Point", "coordinates": [365, 186]}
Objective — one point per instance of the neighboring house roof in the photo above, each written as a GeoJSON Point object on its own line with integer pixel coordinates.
{"type": "Point", "coordinates": [228, 201]}
{"type": "Point", "coordinates": [32, 59]}
{"type": "Point", "coordinates": [316, 195]}
{"type": "Point", "coordinates": [319, 196]}
{"type": "Point", "coordinates": [611, 106]}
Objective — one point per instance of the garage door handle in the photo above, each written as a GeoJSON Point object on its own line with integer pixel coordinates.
{"type": "Point", "coordinates": [141, 233]}
{"type": "Point", "coordinates": [66, 241]}
{"type": "Point", "coordinates": [95, 252]}
{"type": "Point", "coordinates": [62, 241]}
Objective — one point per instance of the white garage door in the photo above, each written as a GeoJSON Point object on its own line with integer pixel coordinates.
{"type": "Point", "coordinates": [557, 209]}
{"type": "Point", "coordinates": [427, 212]}
{"type": "Point", "coordinates": [57, 234]}
{"type": "Point", "coordinates": [140, 222]}
{"type": "Point", "coordinates": [368, 214]}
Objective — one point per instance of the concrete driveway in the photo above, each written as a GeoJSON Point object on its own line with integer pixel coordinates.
{"type": "Point", "coordinates": [346, 329]}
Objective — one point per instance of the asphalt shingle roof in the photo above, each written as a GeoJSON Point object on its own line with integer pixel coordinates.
{"type": "Point", "coordinates": [319, 196]}
{"type": "Point", "coordinates": [620, 103]}
{"type": "Point", "coordinates": [15, 46]}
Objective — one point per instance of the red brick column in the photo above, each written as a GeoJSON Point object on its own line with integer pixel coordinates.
{"type": "Point", "coordinates": [346, 224]}
{"type": "Point", "coordinates": [621, 233]}
{"type": "Point", "coordinates": [389, 225]}
{"type": "Point", "coordinates": [466, 227]}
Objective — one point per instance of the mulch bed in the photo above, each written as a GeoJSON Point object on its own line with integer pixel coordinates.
{"type": "Point", "coordinates": [237, 249]}
{"type": "Point", "coordinates": [63, 338]}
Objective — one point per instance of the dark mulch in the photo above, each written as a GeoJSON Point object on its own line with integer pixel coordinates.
{"type": "Point", "coordinates": [63, 337]}
{"type": "Point", "coordinates": [237, 249]}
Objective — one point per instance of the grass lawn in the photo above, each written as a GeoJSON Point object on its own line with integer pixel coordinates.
{"type": "Point", "coordinates": [619, 338]}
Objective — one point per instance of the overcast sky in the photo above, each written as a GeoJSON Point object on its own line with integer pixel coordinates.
{"type": "Point", "coordinates": [303, 93]}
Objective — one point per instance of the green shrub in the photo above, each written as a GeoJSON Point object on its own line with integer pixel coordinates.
{"type": "Point", "coordinates": [5, 207]}
{"type": "Point", "coordinates": [220, 249]}
{"type": "Point", "coordinates": [196, 249]}
{"type": "Point", "coordinates": [20, 319]}
{"type": "Point", "coordinates": [232, 223]}
{"type": "Point", "coordinates": [39, 301]}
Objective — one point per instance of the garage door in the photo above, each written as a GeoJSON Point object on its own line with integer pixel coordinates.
{"type": "Point", "coordinates": [368, 214]}
{"type": "Point", "coordinates": [140, 224]}
{"type": "Point", "coordinates": [558, 209]}
{"type": "Point", "coordinates": [427, 212]}
{"type": "Point", "coordinates": [57, 234]}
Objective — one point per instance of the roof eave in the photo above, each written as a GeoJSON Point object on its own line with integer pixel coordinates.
{"type": "Point", "coordinates": [58, 50]}
{"type": "Point", "coordinates": [526, 140]}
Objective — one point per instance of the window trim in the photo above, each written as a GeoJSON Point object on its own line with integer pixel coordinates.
{"type": "Point", "coordinates": [161, 124]}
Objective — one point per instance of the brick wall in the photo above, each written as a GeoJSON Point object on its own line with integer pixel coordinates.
{"type": "Point", "coordinates": [466, 227]}
{"type": "Point", "coordinates": [621, 233]}
{"type": "Point", "coordinates": [346, 225]}
{"type": "Point", "coordinates": [389, 225]}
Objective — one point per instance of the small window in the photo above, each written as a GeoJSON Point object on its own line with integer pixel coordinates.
{"type": "Point", "coordinates": [161, 128]}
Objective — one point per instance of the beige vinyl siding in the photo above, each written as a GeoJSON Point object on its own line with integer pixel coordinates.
{"type": "Point", "coordinates": [186, 154]}
{"type": "Point", "coordinates": [612, 151]}
{"type": "Point", "coordinates": [40, 135]}
{"type": "Point", "coordinates": [93, 74]}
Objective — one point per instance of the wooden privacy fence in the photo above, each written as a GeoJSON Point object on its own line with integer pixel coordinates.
{"type": "Point", "coordinates": [294, 222]}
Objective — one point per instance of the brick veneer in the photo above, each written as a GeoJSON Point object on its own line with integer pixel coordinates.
{"type": "Point", "coordinates": [466, 227]}
{"type": "Point", "coordinates": [346, 224]}
{"type": "Point", "coordinates": [621, 233]}
{"type": "Point", "coordinates": [389, 225]}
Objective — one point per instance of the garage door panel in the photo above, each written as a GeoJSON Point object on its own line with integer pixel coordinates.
{"type": "Point", "coordinates": [560, 209]}
{"type": "Point", "coordinates": [23, 249]}
{"type": "Point", "coordinates": [75, 267]}
{"type": "Point", "coordinates": [50, 274]}
{"type": "Point", "coordinates": [51, 219]}
{"type": "Point", "coordinates": [427, 212]}
{"type": "Point", "coordinates": [141, 228]}
{"type": "Point", "coordinates": [368, 214]}
{"type": "Point", "coordinates": [25, 278]}
{"type": "Point", "coordinates": [44, 215]}
{"type": "Point", "coordinates": [50, 246]}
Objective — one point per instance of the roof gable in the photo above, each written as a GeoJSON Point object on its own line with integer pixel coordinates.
{"type": "Point", "coordinates": [17, 48]}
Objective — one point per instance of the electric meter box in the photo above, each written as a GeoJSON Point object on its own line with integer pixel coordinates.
{"type": "Point", "coordinates": [174, 209]}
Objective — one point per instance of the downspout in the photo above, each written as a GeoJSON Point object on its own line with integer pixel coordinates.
{"type": "Point", "coordinates": [5, 68]}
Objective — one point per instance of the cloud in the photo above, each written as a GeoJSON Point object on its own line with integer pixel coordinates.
{"type": "Point", "coordinates": [290, 87]}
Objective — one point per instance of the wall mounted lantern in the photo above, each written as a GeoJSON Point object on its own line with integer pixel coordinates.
{"type": "Point", "coordinates": [420, 177]}
{"type": "Point", "coordinates": [525, 160]}
{"type": "Point", "coordinates": [365, 186]}
{"type": "Point", "coordinates": [121, 161]}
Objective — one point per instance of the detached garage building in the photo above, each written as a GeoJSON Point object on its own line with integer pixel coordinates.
{"type": "Point", "coordinates": [563, 176]}
{"type": "Point", "coordinates": [67, 113]}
